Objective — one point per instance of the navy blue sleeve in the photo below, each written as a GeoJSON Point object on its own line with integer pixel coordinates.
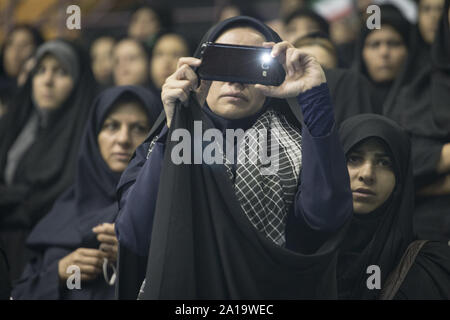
{"type": "Point", "coordinates": [40, 278]}
{"type": "Point", "coordinates": [324, 200]}
{"type": "Point", "coordinates": [137, 204]}
{"type": "Point", "coordinates": [317, 110]}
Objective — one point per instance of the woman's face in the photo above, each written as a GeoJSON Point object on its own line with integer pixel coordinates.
{"type": "Point", "coordinates": [429, 13]}
{"type": "Point", "coordinates": [233, 100]}
{"type": "Point", "coordinates": [123, 130]}
{"type": "Point", "coordinates": [372, 177]}
{"type": "Point", "coordinates": [165, 57]}
{"type": "Point", "coordinates": [384, 53]}
{"type": "Point", "coordinates": [102, 59]}
{"type": "Point", "coordinates": [130, 64]}
{"type": "Point", "coordinates": [52, 84]}
{"type": "Point", "coordinates": [144, 24]}
{"type": "Point", "coordinates": [18, 48]}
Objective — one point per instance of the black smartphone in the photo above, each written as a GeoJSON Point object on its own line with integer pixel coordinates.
{"type": "Point", "coordinates": [236, 63]}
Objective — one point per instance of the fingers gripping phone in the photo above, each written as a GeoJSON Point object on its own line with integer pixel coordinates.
{"type": "Point", "coordinates": [236, 63]}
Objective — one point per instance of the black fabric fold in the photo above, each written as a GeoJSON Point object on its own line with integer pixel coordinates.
{"type": "Point", "coordinates": [205, 247]}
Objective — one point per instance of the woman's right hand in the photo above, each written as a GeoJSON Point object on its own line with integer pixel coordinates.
{"type": "Point", "coordinates": [90, 262]}
{"type": "Point", "coordinates": [179, 85]}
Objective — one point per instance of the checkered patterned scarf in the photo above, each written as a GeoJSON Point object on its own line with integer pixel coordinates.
{"type": "Point", "coordinates": [266, 196]}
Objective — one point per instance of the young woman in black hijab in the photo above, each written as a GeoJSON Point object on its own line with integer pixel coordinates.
{"type": "Point", "coordinates": [426, 116]}
{"type": "Point", "coordinates": [40, 140]}
{"type": "Point", "coordinates": [380, 170]}
{"type": "Point", "coordinates": [79, 230]}
{"type": "Point", "coordinates": [381, 52]}
{"type": "Point", "coordinates": [227, 230]}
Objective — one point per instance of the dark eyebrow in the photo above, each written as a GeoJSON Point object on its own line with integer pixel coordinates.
{"type": "Point", "coordinates": [140, 121]}
{"type": "Point", "coordinates": [378, 154]}
{"type": "Point", "coordinates": [382, 155]}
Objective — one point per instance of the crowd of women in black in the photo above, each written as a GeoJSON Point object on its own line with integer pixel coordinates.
{"type": "Point", "coordinates": [86, 178]}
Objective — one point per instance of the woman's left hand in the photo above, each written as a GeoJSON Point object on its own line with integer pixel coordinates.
{"type": "Point", "coordinates": [107, 237]}
{"type": "Point", "coordinates": [303, 72]}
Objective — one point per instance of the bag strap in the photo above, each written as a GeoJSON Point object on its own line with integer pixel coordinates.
{"type": "Point", "coordinates": [398, 275]}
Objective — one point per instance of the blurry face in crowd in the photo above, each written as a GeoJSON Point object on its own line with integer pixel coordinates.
{"type": "Point", "coordinates": [384, 54]}
{"type": "Point", "coordinates": [166, 53]}
{"type": "Point", "coordinates": [372, 177]}
{"type": "Point", "coordinates": [18, 48]}
{"type": "Point", "coordinates": [288, 6]}
{"type": "Point", "coordinates": [362, 5]}
{"type": "Point", "coordinates": [229, 12]}
{"type": "Point", "coordinates": [123, 130]}
{"type": "Point", "coordinates": [429, 13]}
{"type": "Point", "coordinates": [102, 59]}
{"type": "Point", "coordinates": [323, 56]}
{"type": "Point", "coordinates": [343, 30]}
{"type": "Point", "coordinates": [52, 84]}
{"type": "Point", "coordinates": [234, 100]}
{"type": "Point", "coordinates": [299, 27]}
{"type": "Point", "coordinates": [144, 24]}
{"type": "Point", "coordinates": [130, 63]}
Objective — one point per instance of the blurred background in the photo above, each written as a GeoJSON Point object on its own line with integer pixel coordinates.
{"type": "Point", "coordinates": [191, 17]}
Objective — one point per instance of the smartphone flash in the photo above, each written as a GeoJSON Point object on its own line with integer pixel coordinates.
{"type": "Point", "coordinates": [266, 58]}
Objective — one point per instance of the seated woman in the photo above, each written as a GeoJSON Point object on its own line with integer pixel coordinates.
{"type": "Point", "coordinates": [39, 142]}
{"type": "Point", "coordinates": [381, 53]}
{"type": "Point", "coordinates": [424, 105]}
{"type": "Point", "coordinates": [379, 164]}
{"type": "Point", "coordinates": [79, 229]}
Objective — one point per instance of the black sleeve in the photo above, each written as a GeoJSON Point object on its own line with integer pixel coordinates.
{"type": "Point", "coordinates": [426, 154]}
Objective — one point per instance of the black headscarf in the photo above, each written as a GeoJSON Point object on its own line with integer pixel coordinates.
{"type": "Point", "coordinates": [381, 237]}
{"type": "Point", "coordinates": [350, 92]}
{"type": "Point", "coordinates": [92, 197]}
{"type": "Point", "coordinates": [8, 85]}
{"type": "Point", "coordinates": [306, 12]}
{"type": "Point", "coordinates": [390, 15]}
{"type": "Point", "coordinates": [424, 103]}
{"type": "Point", "coordinates": [49, 164]}
{"type": "Point", "coordinates": [424, 107]}
{"type": "Point", "coordinates": [195, 254]}
{"type": "Point", "coordinates": [416, 65]}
